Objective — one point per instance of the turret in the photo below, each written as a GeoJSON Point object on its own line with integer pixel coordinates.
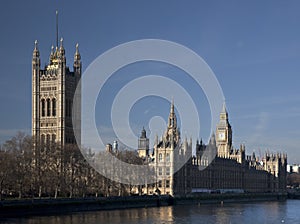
{"type": "Point", "coordinates": [51, 55]}
{"type": "Point", "coordinates": [77, 56]}
{"type": "Point", "coordinates": [77, 61]}
{"type": "Point", "coordinates": [35, 89]}
{"type": "Point", "coordinates": [36, 56]}
{"type": "Point", "coordinates": [115, 146]}
{"type": "Point", "coordinates": [143, 144]}
{"type": "Point", "coordinates": [61, 51]}
{"type": "Point", "coordinates": [172, 134]}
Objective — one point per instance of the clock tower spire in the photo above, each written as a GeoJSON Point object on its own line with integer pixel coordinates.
{"type": "Point", "coordinates": [224, 134]}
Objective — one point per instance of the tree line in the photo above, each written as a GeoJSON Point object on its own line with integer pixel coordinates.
{"type": "Point", "coordinates": [28, 171]}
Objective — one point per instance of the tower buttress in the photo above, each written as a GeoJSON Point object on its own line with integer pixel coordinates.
{"type": "Point", "coordinates": [77, 97]}
{"type": "Point", "coordinates": [36, 63]}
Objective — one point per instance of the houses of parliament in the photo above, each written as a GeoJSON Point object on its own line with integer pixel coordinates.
{"type": "Point", "coordinates": [216, 165]}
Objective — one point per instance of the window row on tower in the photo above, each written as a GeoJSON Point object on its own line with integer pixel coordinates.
{"type": "Point", "coordinates": [47, 139]}
{"type": "Point", "coordinates": [160, 157]}
{"type": "Point", "coordinates": [161, 171]}
{"type": "Point", "coordinates": [48, 107]}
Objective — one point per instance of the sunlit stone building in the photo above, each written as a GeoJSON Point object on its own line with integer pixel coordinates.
{"type": "Point", "coordinates": [53, 94]}
{"type": "Point", "coordinates": [215, 167]}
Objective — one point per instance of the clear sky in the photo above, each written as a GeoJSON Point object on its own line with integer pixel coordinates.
{"type": "Point", "coordinates": [253, 47]}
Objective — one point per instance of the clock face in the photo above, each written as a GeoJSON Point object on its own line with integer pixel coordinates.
{"type": "Point", "coordinates": [221, 135]}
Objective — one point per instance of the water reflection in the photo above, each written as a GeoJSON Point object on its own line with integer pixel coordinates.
{"type": "Point", "coordinates": [263, 212]}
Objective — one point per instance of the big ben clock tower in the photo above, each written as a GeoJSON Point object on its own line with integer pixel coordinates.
{"type": "Point", "coordinates": [224, 134]}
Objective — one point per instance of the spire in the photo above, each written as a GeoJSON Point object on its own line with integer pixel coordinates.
{"type": "Point", "coordinates": [172, 133]}
{"type": "Point", "coordinates": [56, 29]}
{"type": "Point", "coordinates": [224, 108]}
{"type": "Point", "coordinates": [224, 114]}
{"type": "Point", "coordinates": [61, 48]}
{"type": "Point", "coordinates": [172, 106]}
{"type": "Point", "coordinates": [77, 56]}
{"type": "Point", "coordinates": [61, 43]}
{"type": "Point", "coordinates": [172, 123]}
{"type": "Point", "coordinates": [36, 45]}
{"type": "Point", "coordinates": [212, 140]}
{"type": "Point", "coordinates": [143, 133]}
{"type": "Point", "coordinates": [36, 52]}
{"type": "Point", "coordinates": [52, 53]}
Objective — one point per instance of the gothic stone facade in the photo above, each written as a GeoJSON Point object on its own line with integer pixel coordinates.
{"type": "Point", "coordinates": [53, 91]}
{"type": "Point", "coordinates": [216, 166]}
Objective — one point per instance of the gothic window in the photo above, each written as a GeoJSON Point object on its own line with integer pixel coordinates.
{"type": "Point", "coordinates": [160, 183]}
{"type": "Point", "coordinates": [159, 171]}
{"type": "Point", "coordinates": [167, 183]}
{"type": "Point", "coordinates": [53, 138]}
{"type": "Point", "coordinates": [43, 107]}
{"type": "Point", "coordinates": [48, 108]}
{"type": "Point", "coordinates": [42, 139]}
{"type": "Point", "coordinates": [167, 157]}
{"type": "Point", "coordinates": [48, 140]}
{"type": "Point", "coordinates": [159, 157]}
{"type": "Point", "coordinates": [167, 171]}
{"type": "Point", "coordinates": [53, 107]}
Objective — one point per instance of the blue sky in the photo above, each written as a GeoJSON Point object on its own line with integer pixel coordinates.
{"type": "Point", "coordinates": [253, 47]}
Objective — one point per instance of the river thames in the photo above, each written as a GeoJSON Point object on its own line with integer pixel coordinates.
{"type": "Point", "coordinates": [254, 212]}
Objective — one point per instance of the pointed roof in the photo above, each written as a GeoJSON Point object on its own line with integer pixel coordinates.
{"type": "Point", "coordinates": [56, 28]}
{"type": "Point", "coordinates": [36, 52]}
{"type": "Point", "coordinates": [172, 123]}
{"type": "Point", "coordinates": [77, 56]}
{"type": "Point", "coordinates": [224, 108]}
{"type": "Point", "coordinates": [212, 140]}
{"type": "Point", "coordinates": [61, 46]}
{"type": "Point", "coordinates": [35, 45]}
{"type": "Point", "coordinates": [172, 106]}
{"type": "Point", "coordinates": [143, 133]}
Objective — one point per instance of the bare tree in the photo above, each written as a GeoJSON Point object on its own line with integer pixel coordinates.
{"type": "Point", "coordinates": [19, 155]}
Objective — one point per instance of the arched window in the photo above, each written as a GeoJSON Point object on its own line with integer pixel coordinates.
{"type": "Point", "coordinates": [53, 107]}
{"type": "Point", "coordinates": [160, 183]}
{"type": "Point", "coordinates": [42, 139]}
{"type": "Point", "coordinates": [53, 138]}
{"type": "Point", "coordinates": [43, 107]}
{"type": "Point", "coordinates": [167, 171]}
{"type": "Point", "coordinates": [48, 108]}
{"type": "Point", "coordinates": [48, 140]}
{"type": "Point", "coordinates": [167, 183]}
{"type": "Point", "coordinates": [159, 157]}
{"type": "Point", "coordinates": [159, 171]}
{"type": "Point", "coordinates": [167, 157]}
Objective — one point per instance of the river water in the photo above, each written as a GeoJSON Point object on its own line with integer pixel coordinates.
{"type": "Point", "coordinates": [254, 212]}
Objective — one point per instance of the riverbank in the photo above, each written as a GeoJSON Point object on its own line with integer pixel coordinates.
{"type": "Point", "coordinates": [293, 195]}
{"type": "Point", "coordinates": [229, 198]}
{"type": "Point", "coordinates": [13, 208]}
